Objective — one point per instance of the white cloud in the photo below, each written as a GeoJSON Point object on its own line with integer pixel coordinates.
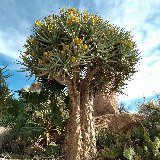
{"type": "Point", "coordinates": [146, 81]}
{"type": "Point", "coordinates": [11, 43]}
{"type": "Point", "coordinates": [133, 15]}
{"type": "Point", "coordinates": [137, 16]}
{"type": "Point", "coordinates": [152, 41]}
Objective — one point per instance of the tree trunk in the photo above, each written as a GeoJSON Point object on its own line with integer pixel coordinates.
{"type": "Point", "coordinates": [80, 141]}
{"type": "Point", "coordinates": [73, 139]}
{"type": "Point", "coordinates": [87, 124]}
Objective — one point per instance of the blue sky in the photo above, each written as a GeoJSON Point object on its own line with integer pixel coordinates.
{"type": "Point", "coordinates": [141, 17]}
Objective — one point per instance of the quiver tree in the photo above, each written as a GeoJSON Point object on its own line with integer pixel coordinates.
{"type": "Point", "coordinates": [85, 53]}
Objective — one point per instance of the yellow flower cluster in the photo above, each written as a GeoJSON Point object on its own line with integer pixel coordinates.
{"type": "Point", "coordinates": [128, 44]}
{"type": "Point", "coordinates": [86, 16]}
{"type": "Point", "coordinates": [72, 19]}
{"type": "Point", "coordinates": [79, 42]}
{"type": "Point", "coordinates": [111, 29]}
{"type": "Point", "coordinates": [73, 16]}
{"type": "Point", "coordinates": [46, 54]}
{"type": "Point", "coordinates": [85, 47]}
{"type": "Point", "coordinates": [95, 19]}
{"type": "Point", "coordinates": [72, 11]}
{"type": "Point", "coordinates": [38, 23]}
{"type": "Point", "coordinates": [73, 60]}
{"type": "Point", "coordinates": [65, 49]}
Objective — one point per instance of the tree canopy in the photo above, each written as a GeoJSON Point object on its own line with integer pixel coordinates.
{"type": "Point", "coordinates": [79, 45]}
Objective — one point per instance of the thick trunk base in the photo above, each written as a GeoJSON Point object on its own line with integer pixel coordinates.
{"type": "Point", "coordinates": [87, 126]}
{"type": "Point", "coordinates": [73, 139]}
{"type": "Point", "coordinates": [80, 141]}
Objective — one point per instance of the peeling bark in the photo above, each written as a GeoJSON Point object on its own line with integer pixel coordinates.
{"type": "Point", "coordinates": [87, 124]}
{"type": "Point", "coordinates": [80, 141]}
{"type": "Point", "coordinates": [73, 139]}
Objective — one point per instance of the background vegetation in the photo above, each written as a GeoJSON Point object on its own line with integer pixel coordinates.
{"type": "Point", "coordinates": [37, 123]}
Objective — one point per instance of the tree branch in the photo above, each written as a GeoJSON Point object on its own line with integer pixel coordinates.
{"type": "Point", "coordinates": [63, 81]}
{"type": "Point", "coordinates": [76, 74]}
{"type": "Point", "coordinates": [88, 77]}
{"type": "Point", "coordinates": [91, 73]}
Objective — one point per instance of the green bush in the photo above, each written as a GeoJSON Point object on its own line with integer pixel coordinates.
{"type": "Point", "coordinates": [52, 149]}
{"type": "Point", "coordinates": [140, 143]}
{"type": "Point", "coordinates": [6, 96]}
{"type": "Point", "coordinates": [37, 118]}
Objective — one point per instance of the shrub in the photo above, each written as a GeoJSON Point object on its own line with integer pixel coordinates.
{"type": "Point", "coordinates": [140, 143]}
{"type": "Point", "coordinates": [37, 118]}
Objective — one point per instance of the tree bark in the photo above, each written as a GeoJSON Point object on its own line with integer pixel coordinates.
{"type": "Point", "coordinates": [80, 141]}
{"type": "Point", "coordinates": [73, 139]}
{"type": "Point", "coordinates": [87, 124]}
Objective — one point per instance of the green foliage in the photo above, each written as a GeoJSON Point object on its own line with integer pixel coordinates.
{"type": "Point", "coordinates": [5, 93]}
{"type": "Point", "coordinates": [129, 153]}
{"type": "Point", "coordinates": [52, 149]}
{"type": "Point", "coordinates": [140, 143]}
{"type": "Point", "coordinates": [74, 44]}
{"type": "Point", "coordinates": [6, 96]}
{"type": "Point", "coordinates": [38, 117]}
